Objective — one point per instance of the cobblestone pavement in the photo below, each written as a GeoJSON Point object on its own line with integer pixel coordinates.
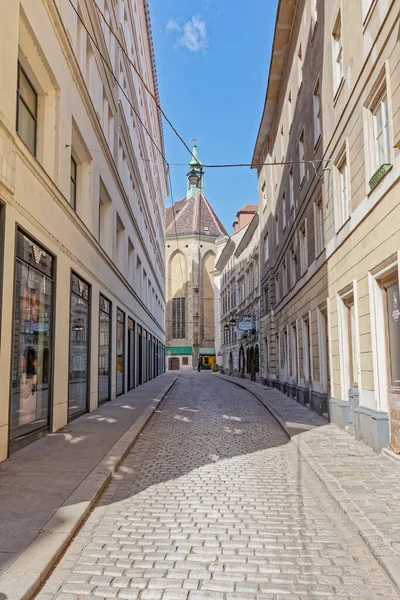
{"type": "Point", "coordinates": [366, 485]}
{"type": "Point", "coordinates": [215, 503]}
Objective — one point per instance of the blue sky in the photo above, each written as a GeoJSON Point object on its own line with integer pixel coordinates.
{"type": "Point", "coordinates": [212, 60]}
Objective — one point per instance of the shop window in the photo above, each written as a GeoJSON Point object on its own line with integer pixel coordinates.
{"type": "Point", "coordinates": [120, 352]}
{"type": "Point", "coordinates": [185, 360]}
{"type": "Point", "coordinates": [79, 372]}
{"type": "Point", "coordinates": [32, 346]}
{"type": "Point", "coordinates": [104, 350]}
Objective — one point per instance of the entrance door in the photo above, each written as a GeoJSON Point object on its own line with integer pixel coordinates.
{"type": "Point", "coordinates": [173, 363]}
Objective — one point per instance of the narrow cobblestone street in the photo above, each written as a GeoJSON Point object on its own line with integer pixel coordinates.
{"type": "Point", "coordinates": [214, 502]}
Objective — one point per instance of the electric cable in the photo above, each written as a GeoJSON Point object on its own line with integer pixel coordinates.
{"type": "Point", "coordinates": [142, 79]}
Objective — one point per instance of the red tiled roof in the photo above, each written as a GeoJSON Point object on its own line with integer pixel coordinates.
{"type": "Point", "coordinates": [192, 216]}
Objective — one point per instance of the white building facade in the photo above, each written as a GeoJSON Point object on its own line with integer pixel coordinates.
{"type": "Point", "coordinates": [82, 190]}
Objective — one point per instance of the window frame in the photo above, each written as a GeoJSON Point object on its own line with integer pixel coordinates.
{"type": "Point", "coordinates": [319, 227]}
{"type": "Point", "coordinates": [73, 182]}
{"type": "Point", "coordinates": [302, 165]}
{"type": "Point", "coordinates": [337, 54]}
{"type": "Point", "coordinates": [303, 248]}
{"type": "Point", "coordinates": [317, 112]}
{"type": "Point", "coordinates": [342, 205]}
{"type": "Point", "coordinates": [20, 98]}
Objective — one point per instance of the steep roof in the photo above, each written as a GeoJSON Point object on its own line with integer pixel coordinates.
{"type": "Point", "coordinates": [251, 208]}
{"type": "Point", "coordinates": [193, 216]}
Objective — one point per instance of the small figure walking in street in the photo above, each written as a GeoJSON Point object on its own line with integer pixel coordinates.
{"type": "Point", "coordinates": [199, 366]}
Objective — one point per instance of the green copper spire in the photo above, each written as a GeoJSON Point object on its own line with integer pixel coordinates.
{"type": "Point", "coordinates": [195, 170]}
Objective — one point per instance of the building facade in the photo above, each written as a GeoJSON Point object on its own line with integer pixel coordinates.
{"type": "Point", "coordinates": [330, 215]}
{"type": "Point", "coordinates": [82, 191]}
{"type": "Point", "coordinates": [238, 269]}
{"type": "Point", "coordinates": [191, 234]}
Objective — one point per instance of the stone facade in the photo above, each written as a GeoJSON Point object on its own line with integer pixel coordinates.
{"type": "Point", "coordinates": [330, 216]}
{"type": "Point", "coordinates": [82, 247]}
{"type": "Point", "coordinates": [238, 269]}
{"type": "Point", "coordinates": [192, 232]}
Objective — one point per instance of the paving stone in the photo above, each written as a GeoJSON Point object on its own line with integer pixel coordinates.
{"type": "Point", "coordinates": [201, 510]}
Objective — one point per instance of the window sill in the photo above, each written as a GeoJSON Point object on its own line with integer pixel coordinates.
{"type": "Point", "coordinates": [340, 227]}
{"type": "Point", "coordinates": [338, 91]}
{"type": "Point", "coordinates": [368, 16]}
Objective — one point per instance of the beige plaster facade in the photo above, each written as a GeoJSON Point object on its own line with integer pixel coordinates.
{"type": "Point", "coordinates": [238, 268]}
{"type": "Point", "coordinates": [77, 202]}
{"type": "Point", "coordinates": [330, 217]}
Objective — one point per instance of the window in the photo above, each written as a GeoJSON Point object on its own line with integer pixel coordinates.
{"type": "Point", "coordinates": [266, 299]}
{"type": "Point", "coordinates": [393, 320]}
{"type": "Point", "coordinates": [79, 364]}
{"type": "Point", "coordinates": [303, 248]}
{"type": "Point", "coordinates": [284, 277]}
{"type": "Point", "coordinates": [266, 248]}
{"type": "Point", "coordinates": [319, 227]}
{"type": "Point", "coordinates": [293, 340]}
{"type": "Point", "coordinates": [277, 290]}
{"type": "Point", "coordinates": [290, 110]}
{"type": "Point", "coordinates": [32, 346]}
{"type": "Point", "coordinates": [381, 132]}
{"type": "Point", "coordinates": [264, 194]}
{"type": "Point", "coordinates": [284, 216]}
{"type": "Point", "coordinates": [26, 111]}
{"type": "Point", "coordinates": [317, 112]}
{"type": "Point", "coordinates": [291, 189]}
{"type": "Point", "coordinates": [73, 176]}
{"type": "Point", "coordinates": [343, 200]}
{"type": "Point", "coordinates": [314, 11]}
{"type": "Point", "coordinates": [104, 350]}
{"type": "Point", "coordinates": [185, 360]}
{"type": "Point", "coordinates": [302, 165]}
{"type": "Point", "coordinates": [120, 244]}
{"type": "Point", "coordinates": [267, 354]}
{"type": "Point", "coordinates": [292, 266]}
{"type": "Point", "coordinates": [300, 66]}
{"type": "Point", "coordinates": [178, 318]}
{"type": "Point", "coordinates": [277, 230]}
{"type": "Point", "coordinates": [337, 53]}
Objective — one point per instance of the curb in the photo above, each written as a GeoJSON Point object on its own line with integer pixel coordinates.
{"type": "Point", "coordinates": [388, 560]}
{"type": "Point", "coordinates": [24, 578]}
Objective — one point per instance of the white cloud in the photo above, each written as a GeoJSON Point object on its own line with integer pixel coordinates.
{"type": "Point", "coordinates": [192, 34]}
{"type": "Point", "coordinates": [172, 25]}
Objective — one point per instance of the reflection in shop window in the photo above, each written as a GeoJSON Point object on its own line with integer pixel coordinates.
{"type": "Point", "coordinates": [78, 388]}
{"type": "Point", "coordinates": [32, 338]}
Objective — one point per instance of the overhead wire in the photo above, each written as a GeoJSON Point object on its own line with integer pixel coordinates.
{"type": "Point", "coordinates": [165, 162]}
{"type": "Point", "coordinates": [149, 91]}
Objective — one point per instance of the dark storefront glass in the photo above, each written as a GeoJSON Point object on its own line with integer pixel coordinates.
{"type": "Point", "coordinates": [145, 352]}
{"type": "Point", "coordinates": [393, 308]}
{"type": "Point", "coordinates": [120, 351]}
{"type": "Point", "coordinates": [140, 356]}
{"type": "Point", "coordinates": [104, 350]}
{"type": "Point", "coordinates": [32, 339]}
{"type": "Point", "coordinates": [79, 339]}
{"type": "Point", "coordinates": [131, 354]}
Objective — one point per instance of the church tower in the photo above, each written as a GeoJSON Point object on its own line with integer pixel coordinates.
{"type": "Point", "coordinates": [192, 228]}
